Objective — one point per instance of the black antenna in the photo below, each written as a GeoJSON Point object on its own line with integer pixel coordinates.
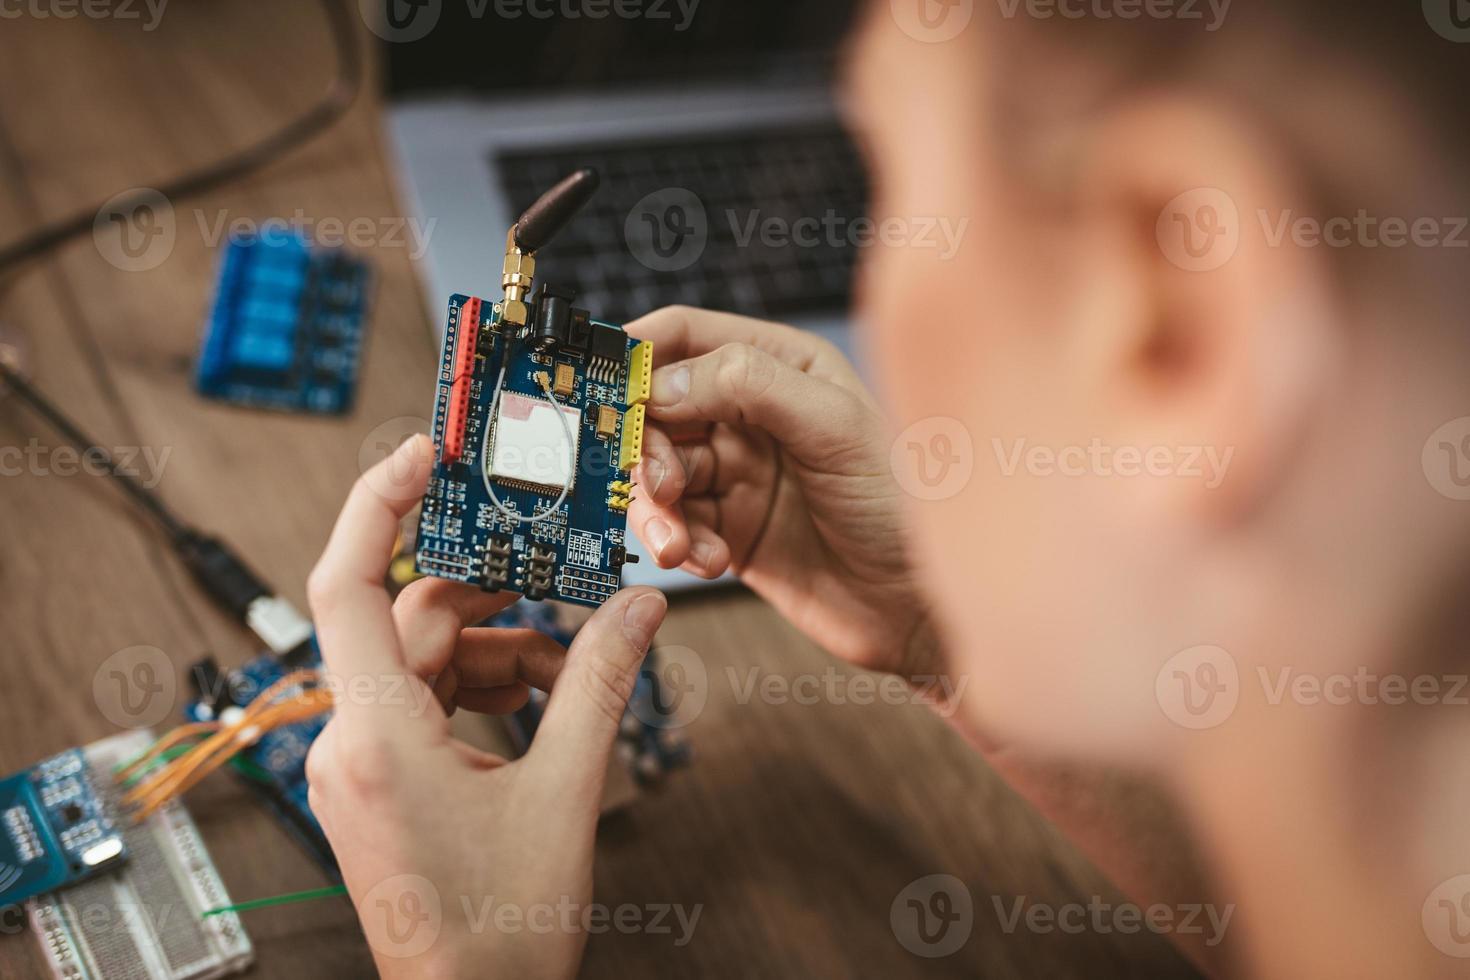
{"type": "Point", "coordinates": [551, 212]}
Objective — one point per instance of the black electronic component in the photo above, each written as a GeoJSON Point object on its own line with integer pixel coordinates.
{"type": "Point", "coordinates": [224, 576]}
{"type": "Point", "coordinates": [580, 336]}
{"type": "Point", "coordinates": [540, 572]}
{"type": "Point", "coordinates": [544, 219]}
{"type": "Point", "coordinates": [558, 326]}
{"type": "Point", "coordinates": [551, 329]}
{"type": "Point", "coordinates": [497, 564]}
{"type": "Point", "coordinates": [608, 343]}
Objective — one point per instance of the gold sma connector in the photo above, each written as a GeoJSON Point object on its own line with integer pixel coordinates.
{"type": "Point", "coordinates": [517, 279]}
{"type": "Point", "coordinates": [535, 228]}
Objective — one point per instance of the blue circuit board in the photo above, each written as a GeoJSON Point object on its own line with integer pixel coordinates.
{"type": "Point", "coordinates": [491, 515]}
{"type": "Point", "coordinates": [55, 830]}
{"type": "Point", "coordinates": [648, 740]}
{"type": "Point", "coordinates": [286, 328]}
{"type": "Point", "coordinates": [280, 755]}
{"type": "Point", "coordinates": [650, 748]}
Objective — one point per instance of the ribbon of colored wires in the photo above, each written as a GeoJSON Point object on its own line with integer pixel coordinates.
{"type": "Point", "coordinates": [170, 767]}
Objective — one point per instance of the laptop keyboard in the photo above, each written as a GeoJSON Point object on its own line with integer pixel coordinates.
{"type": "Point", "coordinates": [753, 222]}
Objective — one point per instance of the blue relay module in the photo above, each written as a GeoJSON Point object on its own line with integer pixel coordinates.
{"type": "Point", "coordinates": [55, 829]}
{"type": "Point", "coordinates": [286, 328]}
{"type": "Point", "coordinates": [538, 426]}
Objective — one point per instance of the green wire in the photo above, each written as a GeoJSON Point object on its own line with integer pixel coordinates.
{"type": "Point", "coordinates": [251, 770]}
{"type": "Point", "coordinates": [168, 756]}
{"type": "Point", "coordinates": [135, 760]}
{"type": "Point", "coordinates": [265, 903]}
{"type": "Point", "coordinates": [243, 765]}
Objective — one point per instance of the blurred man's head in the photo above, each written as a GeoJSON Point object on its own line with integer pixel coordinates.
{"type": "Point", "coordinates": [1205, 316]}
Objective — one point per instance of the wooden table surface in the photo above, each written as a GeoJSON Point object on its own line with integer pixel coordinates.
{"type": "Point", "coordinates": [798, 824]}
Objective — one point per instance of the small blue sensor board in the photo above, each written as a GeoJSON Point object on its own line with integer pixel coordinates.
{"type": "Point", "coordinates": [144, 919]}
{"type": "Point", "coordinates": [286, 330]}
{"type": "Point", "coordinates": [54, 829]}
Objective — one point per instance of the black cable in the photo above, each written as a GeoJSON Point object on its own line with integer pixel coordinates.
{"type": "Point", "coordinates": [177, 530]}
{"type": "Point", "coordinates": [339, 98]}
{"type": "Point", "coordinates": [214, 565]}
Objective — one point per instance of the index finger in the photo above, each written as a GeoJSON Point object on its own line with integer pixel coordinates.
{"type": "Point", "coordinates": [682, 332]}
{"type": "Point", "coordinates": [351, 607]}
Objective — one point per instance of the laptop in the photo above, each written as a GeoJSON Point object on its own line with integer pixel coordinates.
{"type": "Point", "coordinates": [728, 181]}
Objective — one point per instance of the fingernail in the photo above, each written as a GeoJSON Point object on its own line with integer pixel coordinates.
{"type": "Point", "coordinates": [656, 472]}
{"type": "Point", "coordinates": [658, 534]}
{"type": "Point", "coordinates": [642, 618]}
{"type": "Point", "coordinates": [701, 553]}
{"type": "Point", "coordinates": [416, 445]}
{"type": "Point", "coordinates": [671, 384]}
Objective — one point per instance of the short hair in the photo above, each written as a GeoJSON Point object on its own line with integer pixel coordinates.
{"type": "Point", "coordinates": [1419, 48]}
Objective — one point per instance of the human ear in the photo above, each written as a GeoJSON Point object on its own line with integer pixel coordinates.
{"type": "Point", "coordinates": [1204, 328]}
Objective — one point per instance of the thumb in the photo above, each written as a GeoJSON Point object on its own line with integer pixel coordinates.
{"type": "Point", "coordinates": [575, 738]}
{"type": "Point", "coordinates": [743, 385]}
